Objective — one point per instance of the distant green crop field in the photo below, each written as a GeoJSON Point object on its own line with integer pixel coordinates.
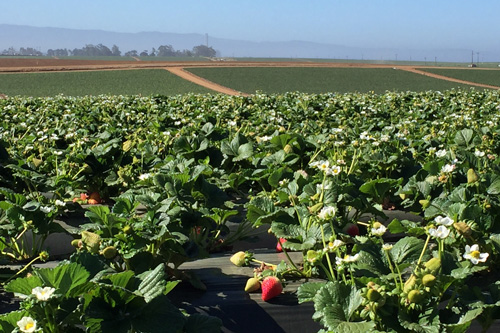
{"type": "Point", "coordinates": [120, 82]}
{"type": "Point", "coordinates": [490, 76]}
{"type": "Point", "coordinates": [321, 80]}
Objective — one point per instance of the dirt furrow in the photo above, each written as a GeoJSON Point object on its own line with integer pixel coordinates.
{"type": "Point", "coordinates": [179, 71]}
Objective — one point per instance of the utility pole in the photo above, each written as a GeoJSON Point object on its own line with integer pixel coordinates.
{"type": "Point", "coordinates": [477, 59]}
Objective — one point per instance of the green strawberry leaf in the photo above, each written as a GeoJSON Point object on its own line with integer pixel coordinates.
{"type": "Point", "coordinates": [308, 290]}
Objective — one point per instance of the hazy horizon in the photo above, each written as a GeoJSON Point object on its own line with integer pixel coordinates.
{"type": "Point", "coordinates": [368, 24]}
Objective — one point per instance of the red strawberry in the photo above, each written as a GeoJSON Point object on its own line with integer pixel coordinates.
{"type": "Point", "coordinates": [278, 245]}
{"type": "Point", "coordinates": [84, 196]}
{"type": "Point", "coordinates": [271, 287]}
{"type": "Point", "coordinates": [351, 229]}
{"type": "Point", "coordinates": [95, 196]}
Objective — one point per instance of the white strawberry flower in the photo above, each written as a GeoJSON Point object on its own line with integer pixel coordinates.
{"type": "Point", "coordinates": [324, 165]}
{"type": "Point", "coordinates": [379, 230]}
{"type": "Point", "coordinates": [27, 325]}
{"type": "Point", "coordinates": [334, 245]}
{"type": "Point", "coordinates": [441, 232]}
{"type": "Point", "coordinates": [479, 153]}
{"type": "Point", "coordinates": [43, 294]}
{"type": "Point", "coordinates": [446, 221]}
{"type": "Point", "coordinates": [59, 203]}
{"type": "Point", "coordinates": [387, 247]}
{"type": "Point", "coordinates": [472, 253]}
{"type": "Point", "coordinates": [441, 153]}
{"type": "Point", "coordinates": [347, 259]}
{"type": "Point", "coordinates": [327, 212]}
{"type": "Point", "coordinates": [448, 168]}
{"type": "Point", "coordinates": [334, 170]}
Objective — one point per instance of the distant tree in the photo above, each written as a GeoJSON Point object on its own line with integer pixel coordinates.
{"type": "Point", "coordinates": [144, 53]}
{"type": "Point", "coordinates": [9, 51]}
{"type": "Point", "coordinates": [62, 53]}
{"type": "Point", "coordinates": [204, 51]}
{"type": "Point", "coordinates": [132, 53]}
{"type": "Point", "coordinates": [153, 52]}
{"type": "Point", "coordinates": [115, 51]}
{"type": "Point", "coordinates": [166, 51]}
{"type": "Point", "coordinates": [103, 50]}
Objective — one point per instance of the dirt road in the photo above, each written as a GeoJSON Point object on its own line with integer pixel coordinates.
{"type": "Point", "coordinates": [447, 78]}
{"type": "Point", "coordinates": [179, 71]}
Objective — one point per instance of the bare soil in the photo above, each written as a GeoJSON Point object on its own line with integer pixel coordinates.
{"type": "Point", "coordinates": [19, 65]}
{"type": "Point", "coordinates": [179, 71]}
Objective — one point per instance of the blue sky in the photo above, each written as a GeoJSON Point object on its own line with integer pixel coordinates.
{"type": "Point", "coordinates": [361, 23]}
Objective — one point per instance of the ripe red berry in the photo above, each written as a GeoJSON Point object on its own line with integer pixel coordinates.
{"type": "Point", "coordinates": [279, 247]}
{"type": "Point", "coordinates": [351, 229]}
{"type": "Point", "coordinates": [271, 287]}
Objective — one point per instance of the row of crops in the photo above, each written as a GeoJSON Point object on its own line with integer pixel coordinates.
{"type": "Point", "coordinates": [172, 174]}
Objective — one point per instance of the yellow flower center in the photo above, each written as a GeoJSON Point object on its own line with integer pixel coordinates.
{"type": "Point", "coordinates": [28, 326]}
{"type": "Point", "coordinates": [475, 254]}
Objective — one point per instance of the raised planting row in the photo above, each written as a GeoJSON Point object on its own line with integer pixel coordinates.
{"type": "Point", "coordinates": [172, 173]}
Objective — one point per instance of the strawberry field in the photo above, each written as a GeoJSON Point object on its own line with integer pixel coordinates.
{"type": "Point", "coordinates": [158, 181]}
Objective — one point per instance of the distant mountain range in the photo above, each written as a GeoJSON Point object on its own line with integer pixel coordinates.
{"type": "Point", "coordinates": [42, 39]}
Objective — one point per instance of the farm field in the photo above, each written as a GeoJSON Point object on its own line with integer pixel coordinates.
{"type": "Point", "coordinates": [115, 82]}
{"type": "Point", "coordinates": [485, 76]}
{"type": "Point", "coordinates": [321, 80]}
{"type": "Point", "coordinates": [157, 181]}
{"type": "Point", "coordinates": [384, 204]}
{"type": "Point", "coordinates": [246, 77]}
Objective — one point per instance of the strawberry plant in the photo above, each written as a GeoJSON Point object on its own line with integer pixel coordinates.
{"type": "Point", "coordinates": [320, 171]}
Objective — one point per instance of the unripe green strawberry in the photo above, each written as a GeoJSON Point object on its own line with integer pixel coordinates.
{"type": "Point", "coordinates": [372, 295]}
{"type": "Point", "coordinates": [44, 256]}
{"type": "Point", "coordinates": [424, 203]}
{"type": "Point", "coordinates": [77, 243]}
{"type": "Point", "coordinates": [314, 209]}
{"type": "Point", "coordinates": [238, 258]}
{"type": "Point", "coordinates": [376, 225]}
{"type": "Point", "coordinates": [127, 229]}
{"type": "Point", "coordinates": [463, 228]}
{"type": "Point", "coordinates": [433, 265]}
{"type": "Point", "coordinates": [109, 252]}
{"type": "Point", "coordinates": [410, 283]}
{"type": "Point", "coordinates": [288, 149]}
{"type": "Point", "coordinates": [428, 280]}
{"type": "Point", "coordinates": [91, 241]}
{"type": "Point", "coordinates": [403, 196]}
{"type": "Point", "coordinates": [37, 162]}
{"type": "Point", "coordinates": [253, 284]}
{"type": "Point", "coordinates": [472, 176]}
{"type": "Point", "coordinates": [415, 296]}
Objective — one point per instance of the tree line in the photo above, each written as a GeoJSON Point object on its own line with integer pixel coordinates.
{"type": "Point", "coordinates": [101, 50]}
